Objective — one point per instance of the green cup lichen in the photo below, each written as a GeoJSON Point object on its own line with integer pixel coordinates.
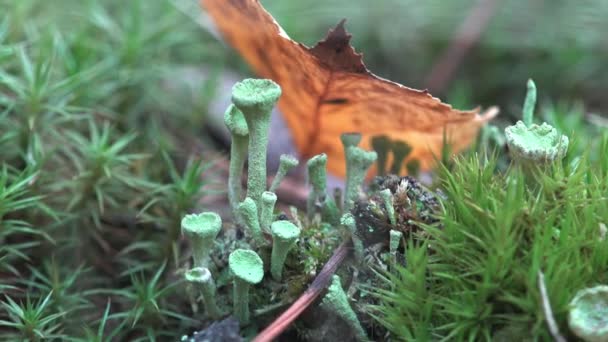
{"type": "Point", "coordinates": [387, 197]}
{"type": "Point", "coordinates": [531, 144]}
{"type": "Point", "coordinates": [286, 163]}
{"type": "Point", "coordinates": [348, 221]}
{"type": "Point", "coordinates": [248, 211]}
{"type": "Point", "coordinates": [400, 151]}
{"type": "Point", "coordinates": [269, 199]}
{"type": "Point", "coordinates": [317, 176]}
{"type": "Point", "coordinates": [336, 301]}
{"type": "Point", "coordinates": [256, 98]}
{"type": "Point", "coordinates": [382, 145]}
{"type": "Point", "coordinates": [236, 124]}
{"type": "Point", "coordinates": [248, 269]}
{"type": "Point", "coordinates": [201, 230]}
{"type": "Point", "coordinates": [395, 237]}
{"type": "Point", "coordinates": [202, 277]}
{"type": "Point", "coordinates": [358, 162]}
{"type": "Point", "coordinates": [588, 316]}
{"type": "Point", "coordinates": [284, 237]}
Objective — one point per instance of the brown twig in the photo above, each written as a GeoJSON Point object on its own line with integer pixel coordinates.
{"type": "Point", "coordinates": [314, 290]}
{"type": "Point", "coordinates": [469, 33]}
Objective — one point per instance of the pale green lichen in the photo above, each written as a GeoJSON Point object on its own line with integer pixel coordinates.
{"type": "Point", "coordinates": [201, 230]}
{"type": "Point", "coordinates": [348, 221]}
{"type": "Point", "coordinates": [358, 162]}
{"type": "Point", "coordinates": [400, 151]}
{"type": "Point", "coordinates": [202, 277]}
{"type": "Point", "coordinates": [317, 177]}
{"type": "Point", "coordinates": [256, 98]}
{"type": "Point", "coordinates": [330, 212]}
{"type": "Point", "coordinates": [395, 237]}
{"type": "Point", "coordinates": [248, 211]}
{"type": "Point", "coordinates": [588, 316]}
{"type": "Point", "coordinates": [336, 301]}
{"type": "Point", "coordinates": [382, 145]}
{"type": "Point", "coordinates": [284, 236]}
{"type": "Point", "coordinates": [531, 144]}
{"type": "Point", "coordinates": [269, 199]}
{"type": "Point", "coordinates": [248, 269]}
{"type": "Point", "coordinates": [236, 124]}
{"type": "Point", "coordinates": [286, 163]}
{"type": "Point", "coordinates": [387, 197]}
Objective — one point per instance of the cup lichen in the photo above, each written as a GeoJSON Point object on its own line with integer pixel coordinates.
{"type": "Point", "coordinates": [317, 177]}
{"type": "Point", "coordinates": [269, 199]}
{"type": "Point", "coordinates": [348, 221]}
{"type": "Point", "coordinates": [531, 144]}
{"type": "Point", "coordinates": [286, 163]}
{"type": "Point", "coordinates": [236, 124]}
{"type": "Point", "coordinates": [248, 269]}
{"type": "Point", "coordinates": [336, 301]}
{"type": "Point", "coordinates": [202, 277]}
{"type": "Point", "coordinates": [284, 237]}
{"type": "Point", "coordinates": [400, 151]}
{"type": "Point", "coordinates": [382, 145]}
{"type": "Point", "coordinates": [358, 162]}
{"type": "Point", "coordinates": [201, 229]}
{"type": "Point", "coordinates": [256, 98]}
{"type": "Point", "coordinates": [248, 212]}
{"type": "Point", "coordinates": [588, 316]}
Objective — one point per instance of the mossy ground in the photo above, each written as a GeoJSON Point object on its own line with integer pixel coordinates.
{"type": "Point", "coordinates": [99, 167]}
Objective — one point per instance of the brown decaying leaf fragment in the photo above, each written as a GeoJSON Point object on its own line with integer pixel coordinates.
{"type": "Point", "coordinates": [327, 90]}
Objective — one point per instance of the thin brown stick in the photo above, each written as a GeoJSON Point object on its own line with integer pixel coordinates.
{"type": "Point", "coordinates": [314, 290]}
{"type": "Point", "coordinates": [465, 38]}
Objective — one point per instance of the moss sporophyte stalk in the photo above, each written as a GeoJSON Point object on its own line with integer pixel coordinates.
{"type": "Point", "coordinates": [256, 98]}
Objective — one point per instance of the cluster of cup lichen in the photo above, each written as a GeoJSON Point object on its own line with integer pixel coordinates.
{"type": "Point", "coordinates": [248, 119]}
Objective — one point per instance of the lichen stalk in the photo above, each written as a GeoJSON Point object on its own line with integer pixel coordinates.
{"type": "Point", "coordinates": [387, 197]}
{"type": "Point", "coordinates": [236, 124]}
{"type": "Point", "coordinates": [317, 177]}
{"type": "Point", "coordinates": [256, 98]}
{"type": "Point", "coordinates": [284, 237]}
{"type": "Point", "coordinates": [286, 163]}
{"type": "Point", "coordinates": [358, 162]}
{"type": "Point", "coordinates": [202, 277]}
{"type": "Point", "coordinates": [248, 269]}
{"type": "Point", "coordinates": [336, 301]}
{"type": "Point", "coordinates": [248, 211]}
{"type": "Point", "coordinates": [395, 237]}
{"type": "Point", "coordinates": [269, 199]}
{"type": "Point", "coordinates": [201, 230]}
{"type": "Point", "coordinates": [348, 221]}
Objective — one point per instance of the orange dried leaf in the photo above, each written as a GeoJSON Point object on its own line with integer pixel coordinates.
{"type": "Point", "coordinates": [327, 90]}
